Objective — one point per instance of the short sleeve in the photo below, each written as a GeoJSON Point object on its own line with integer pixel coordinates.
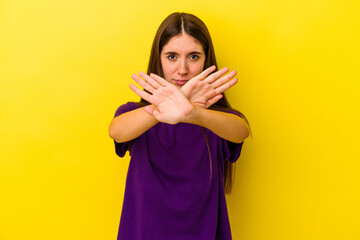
{"type": "Point", "coordinates": [232, 150]}
{"type": "Point", "coordinates": [121, 148]}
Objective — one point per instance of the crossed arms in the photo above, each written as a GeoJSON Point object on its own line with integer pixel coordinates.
{"type": "Point", "coordinates": [188, 104]}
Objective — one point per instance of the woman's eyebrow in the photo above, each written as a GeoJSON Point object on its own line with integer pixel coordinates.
{"type": "Point", "coordinates": [172, 53]}
{"type": "Point", "coordinates": [195, 52]}
{"type": "Point", "coordinates": [190, 53]}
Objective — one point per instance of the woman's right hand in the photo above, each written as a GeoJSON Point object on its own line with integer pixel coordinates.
{"type": "Point", "coordinates": [169, 105]}
{"type": "Point", "coordinates": [204, 90]}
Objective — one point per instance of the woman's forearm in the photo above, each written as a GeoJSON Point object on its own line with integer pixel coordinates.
{"type": "Point", "coordinates": [130, 125]}
{"type": "Point", "coordinates": [226, 125]}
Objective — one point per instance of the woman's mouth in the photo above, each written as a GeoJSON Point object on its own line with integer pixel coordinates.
{"type": "Point", "coordinates": [180, 82]}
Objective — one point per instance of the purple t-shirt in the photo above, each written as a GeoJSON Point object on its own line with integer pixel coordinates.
{"type": "Point", "coordinates": [174, 189]}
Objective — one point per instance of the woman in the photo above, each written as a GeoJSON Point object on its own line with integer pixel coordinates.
{"type": "Point", "coordinates": [182, 136]}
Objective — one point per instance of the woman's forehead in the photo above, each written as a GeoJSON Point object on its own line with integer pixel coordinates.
{"type": "Point", "coordinates": [183, 43]}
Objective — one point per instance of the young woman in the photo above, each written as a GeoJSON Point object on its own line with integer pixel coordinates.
{"type": "Point", "coordinates": [183, 138]}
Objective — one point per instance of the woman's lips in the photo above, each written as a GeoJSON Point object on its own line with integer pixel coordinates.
{"type": "Point", "coordinates": [181, 82]}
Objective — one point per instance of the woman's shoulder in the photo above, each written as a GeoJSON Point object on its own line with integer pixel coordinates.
{"type": "Point", "coordinates": [127, 107]}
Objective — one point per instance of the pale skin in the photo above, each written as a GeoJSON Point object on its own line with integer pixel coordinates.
{"type": "Point", "coordinates": [183, 96]}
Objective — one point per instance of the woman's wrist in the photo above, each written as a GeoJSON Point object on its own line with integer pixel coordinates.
{"type": "Point", "coordinates": [193, 115]}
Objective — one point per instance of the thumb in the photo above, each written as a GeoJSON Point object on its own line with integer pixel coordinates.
{"type": "Point", "coordinates": [213, 100]}
{"type": "Point", "coordinates": [149, 109]}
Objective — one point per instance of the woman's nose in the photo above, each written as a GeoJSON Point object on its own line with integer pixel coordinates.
{"type": "Point", "coordinates": [183, 68]}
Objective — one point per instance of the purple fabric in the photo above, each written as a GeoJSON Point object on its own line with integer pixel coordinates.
{"type": "Point", "coordinates": [172, 190]}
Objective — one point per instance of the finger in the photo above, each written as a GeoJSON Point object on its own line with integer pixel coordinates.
{"type": "Point", "coordinates": [216, 75]}
{"type": "Point", "coordinates": [226, 86]}
{"type": "Point", "coordinates": [141, 93]}
{"type": "Point", "coordinates": [142, 83]}
{"type": "Point", "coordinates": [213, 100]}
{"type": "Point", "coordinates": [159, 79]}
{"type": "Point", "coordinates": [148, 79]}
{"type": "Point", "coordinates": [206, 72]}
{"type": "Point", "coordinates": [220, 81]}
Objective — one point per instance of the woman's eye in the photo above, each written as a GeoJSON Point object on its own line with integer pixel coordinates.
{"type": "Point", "coordinates": [171, 57]}
{"type": "Point", "coordinates": [194, 57]}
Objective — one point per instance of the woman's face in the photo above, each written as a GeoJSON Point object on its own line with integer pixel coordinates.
{"type": "Point", "coordinates": [182, 58]}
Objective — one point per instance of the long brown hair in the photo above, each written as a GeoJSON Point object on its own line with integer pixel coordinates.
{"type": "Point", "coordinates": [174, 25]}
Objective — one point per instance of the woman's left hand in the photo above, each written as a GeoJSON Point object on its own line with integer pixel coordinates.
{"type": "Point", "coordinates": [169, 105]}
{"type": "Point", "coordinates": [206, 88]}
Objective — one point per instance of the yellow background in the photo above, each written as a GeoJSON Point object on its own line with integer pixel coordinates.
{"type": "Point", "coordinates": [65, 67]}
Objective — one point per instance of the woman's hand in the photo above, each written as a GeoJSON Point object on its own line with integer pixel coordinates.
{"type": "Point", "coordinates": [169, 105]}
{"type": "Point", "coordinates": [204, 90]}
